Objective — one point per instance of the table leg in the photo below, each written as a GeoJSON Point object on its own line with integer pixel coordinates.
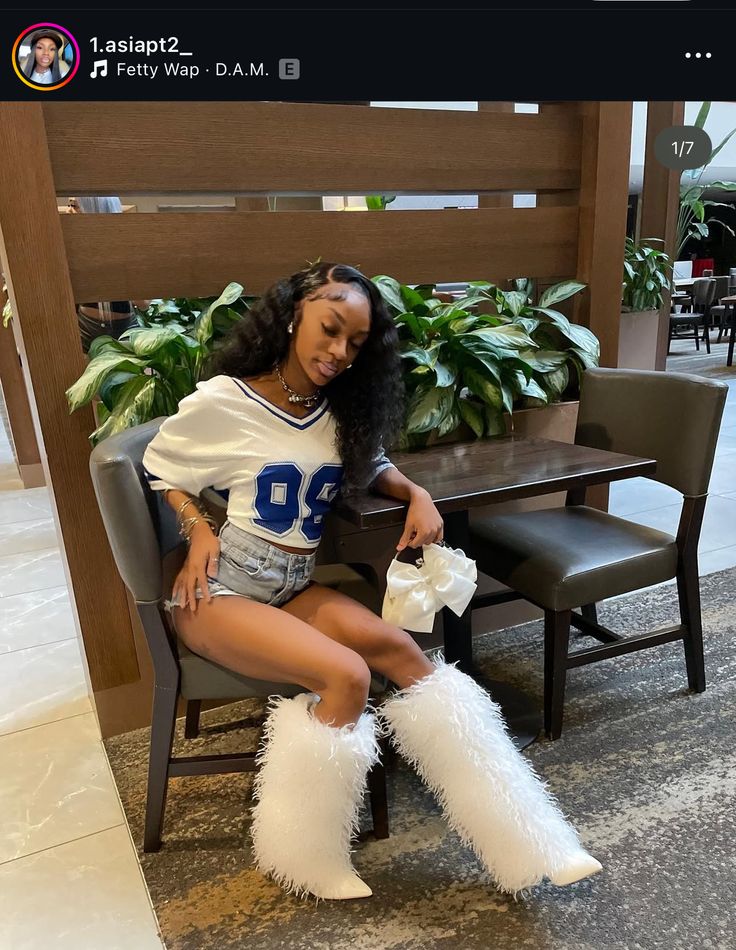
{"type": "Point", "coordinates": [520, 711]}
{"type": "Point", "coordinates": [731, 339]}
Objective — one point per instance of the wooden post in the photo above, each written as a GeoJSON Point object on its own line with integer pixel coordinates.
{"type": "Point", "coordinates": [660, 203]}
{"type": "Point", "coordinates": [20, 420]}
{"type": "Point", "coordinates": [603, 200]}
{"type": "Point", "coordinates": [33, 259]}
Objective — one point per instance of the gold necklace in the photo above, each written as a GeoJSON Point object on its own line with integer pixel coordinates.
{"type": "Point", "coordinates": [307, 401]}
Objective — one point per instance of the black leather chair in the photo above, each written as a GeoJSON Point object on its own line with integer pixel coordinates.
{"type": "Point", "coordinates": [562, 558]}
{"type": "Point", "coordinates": [143, 536]}
{"type": "Point", "coordinates": [717, 312]}
{"type": "Point", "coordinates": [703, 294]}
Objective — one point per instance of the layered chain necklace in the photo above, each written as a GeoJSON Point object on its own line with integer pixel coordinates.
{"type": "Point", "coordinates": [307, 401]}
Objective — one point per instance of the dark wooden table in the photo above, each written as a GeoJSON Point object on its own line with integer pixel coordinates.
{"type": "Point", "coordinates": [462, 476]}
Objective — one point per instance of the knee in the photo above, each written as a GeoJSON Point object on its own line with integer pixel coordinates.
{"type": "Point", "coordinates": [353, 681]}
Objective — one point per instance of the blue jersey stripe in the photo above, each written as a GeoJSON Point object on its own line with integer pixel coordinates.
{"type": "Point", "coordinates": [304, 423]}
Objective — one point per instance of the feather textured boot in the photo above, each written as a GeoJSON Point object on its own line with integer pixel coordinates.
{"type": "Point", "coordinates": [308, 790]}
{"type": "Point", "coordinates": [450, 730]}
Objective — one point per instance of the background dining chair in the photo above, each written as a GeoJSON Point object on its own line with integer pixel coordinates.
{"type": "Point", "coordinates": [703, 293]}
{"type": "Point", "coordinates": [716, 311]}
{"type": "Point", "coordinates": [562, 558]}
{"type": "Point", "coordinates": [145, 543]}
{"type": "Point", "coordinates": [719, 312]}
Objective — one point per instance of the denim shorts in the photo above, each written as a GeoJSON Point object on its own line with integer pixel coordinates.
{"type": "Point", "coordinates": [251, 567]}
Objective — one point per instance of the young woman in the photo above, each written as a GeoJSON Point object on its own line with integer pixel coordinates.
{"type": "Point", "coordinates": [306, 392]}
{"type": "Point", "coordinates": [42, 65]}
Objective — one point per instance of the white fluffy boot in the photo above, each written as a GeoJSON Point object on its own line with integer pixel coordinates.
{"type": "Point", "coordinates": [308, 791]}
{"type": "Point", "coordinates": [454, 735]}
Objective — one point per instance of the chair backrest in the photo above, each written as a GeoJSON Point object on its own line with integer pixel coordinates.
{"type": "Point", "coordinates": [703, 291]}
{"type": "Point", "coordinates": [671, 417]}
{"type": "Point", "coordinates": [721, 288]}
{"type": "Point", "coordinates": [140, 528]}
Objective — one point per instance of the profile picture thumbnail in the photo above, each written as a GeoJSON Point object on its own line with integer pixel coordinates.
{"type": "Point", "coordinates": [45, 56]}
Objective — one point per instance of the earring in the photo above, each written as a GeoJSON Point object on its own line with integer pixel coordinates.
{"type": "Point", "coordinates": [290, 328]}
{"type": "Point", "coordinates": [348, 366]}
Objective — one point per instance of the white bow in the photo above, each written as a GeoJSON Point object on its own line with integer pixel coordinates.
{"type": "Point", "coordinates": [444, 577]}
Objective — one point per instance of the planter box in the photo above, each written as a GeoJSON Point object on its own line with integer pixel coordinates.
{"type": "Point", "coordinates": [555, 422]}
{"type": "Point", "coordinates": [637, 339]}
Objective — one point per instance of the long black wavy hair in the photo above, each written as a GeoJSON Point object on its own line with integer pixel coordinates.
{"type": "Point", "coordinates": [366, 401]}
{"type": "Point", "coordinates": [30, 63]}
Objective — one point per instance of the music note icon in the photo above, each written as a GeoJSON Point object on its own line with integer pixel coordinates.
{"type": "Point", "coordinates": [99, 68]}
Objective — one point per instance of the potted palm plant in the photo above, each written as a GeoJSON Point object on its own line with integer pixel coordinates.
{"type": "Point", "coordinates": [647, 275]}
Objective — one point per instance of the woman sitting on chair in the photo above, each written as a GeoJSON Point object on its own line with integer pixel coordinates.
{"type": "Point", "coordinates": [305, 392]}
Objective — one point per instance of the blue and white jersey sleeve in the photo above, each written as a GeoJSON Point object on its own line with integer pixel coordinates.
{"type": "Point", "coordinates": [193, 449]}
{"type": "Point", "coordinates": [380, 463]}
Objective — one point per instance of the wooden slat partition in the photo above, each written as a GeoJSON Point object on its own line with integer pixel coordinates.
{"type": "Point", "coordinates": [575, 158]}
{"type": "Point", "coordinates": [272, 147]}
{"type": "Point", "coordinates": [143, 255]}
{"type": "Point", "coordinates": [34, 263]}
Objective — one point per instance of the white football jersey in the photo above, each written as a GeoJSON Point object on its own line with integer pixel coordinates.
{"type": "Point", "coordinates": [278, 473]}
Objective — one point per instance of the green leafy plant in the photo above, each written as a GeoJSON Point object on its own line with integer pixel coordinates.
{"type": "Point", "coordinates": [647, 273]}
{"type": "Point", "coordinates": [152, 367]}
{"type": "Point", "coordinates": [691, 219]}
{"type": "Point", "coordinates": [460, 365]}
{"type": "Point", "coordinates": [378, 202]}
{"type": "Point", "coordinates": [466, 366]}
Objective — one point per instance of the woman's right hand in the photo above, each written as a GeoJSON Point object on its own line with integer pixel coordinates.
{"type": "Point", "coordinates": [203, 559]}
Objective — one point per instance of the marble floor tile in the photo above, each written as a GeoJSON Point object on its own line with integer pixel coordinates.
{"type": "Point", "coordinates": [719, 560]}
{"type": "Point", "coordinates": [41, 684]}
{"type": "Point", "coordinates": [10, 479]}
{"type": "Point", "coordinates": [723, 475]}
{"type": "Point", "coordinates": [31, 570]}
{"type": "Point", "coordinates": [640, 494]}
{"type": "Point", "coordinates": [27, 505]}
{"type": "Point", "coordinates": [719, 523]}
{"type": "Point", "coordinates": [59, 787]}
{"type": "Point", "coordinates": [727, 439]}
{"type": "Point", "coordinates": [85, 895]}
{"type": "Point", "coordinates": [21, 536]}
{"type": "Point", "coordinates": [36, 617]}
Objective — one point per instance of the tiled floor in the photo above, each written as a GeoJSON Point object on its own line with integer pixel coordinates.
{"type": "Point", "coordinates": [68, 869]}
{"type": "Point", "coordinates": [69, 874]}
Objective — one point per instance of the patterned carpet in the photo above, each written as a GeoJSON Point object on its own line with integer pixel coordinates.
{"type": "Point", "coordinates": [646, 770]}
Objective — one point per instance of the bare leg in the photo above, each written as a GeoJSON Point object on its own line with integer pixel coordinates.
{"type": "Point", "coordinates": [311, 777]}
{"type": "Point", "coordinates": [269, 643]}
{"type": "Point", "coordinates": [386, 649]}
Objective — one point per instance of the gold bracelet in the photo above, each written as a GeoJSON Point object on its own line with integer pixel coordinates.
{"type": "Point", "coordinates": [186, 527]}
{"type": "Point", "coordinates": [182, 506]}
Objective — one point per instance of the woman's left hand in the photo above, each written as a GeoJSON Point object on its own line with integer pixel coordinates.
{"type": "Point", "coordinates": [423, 522]}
